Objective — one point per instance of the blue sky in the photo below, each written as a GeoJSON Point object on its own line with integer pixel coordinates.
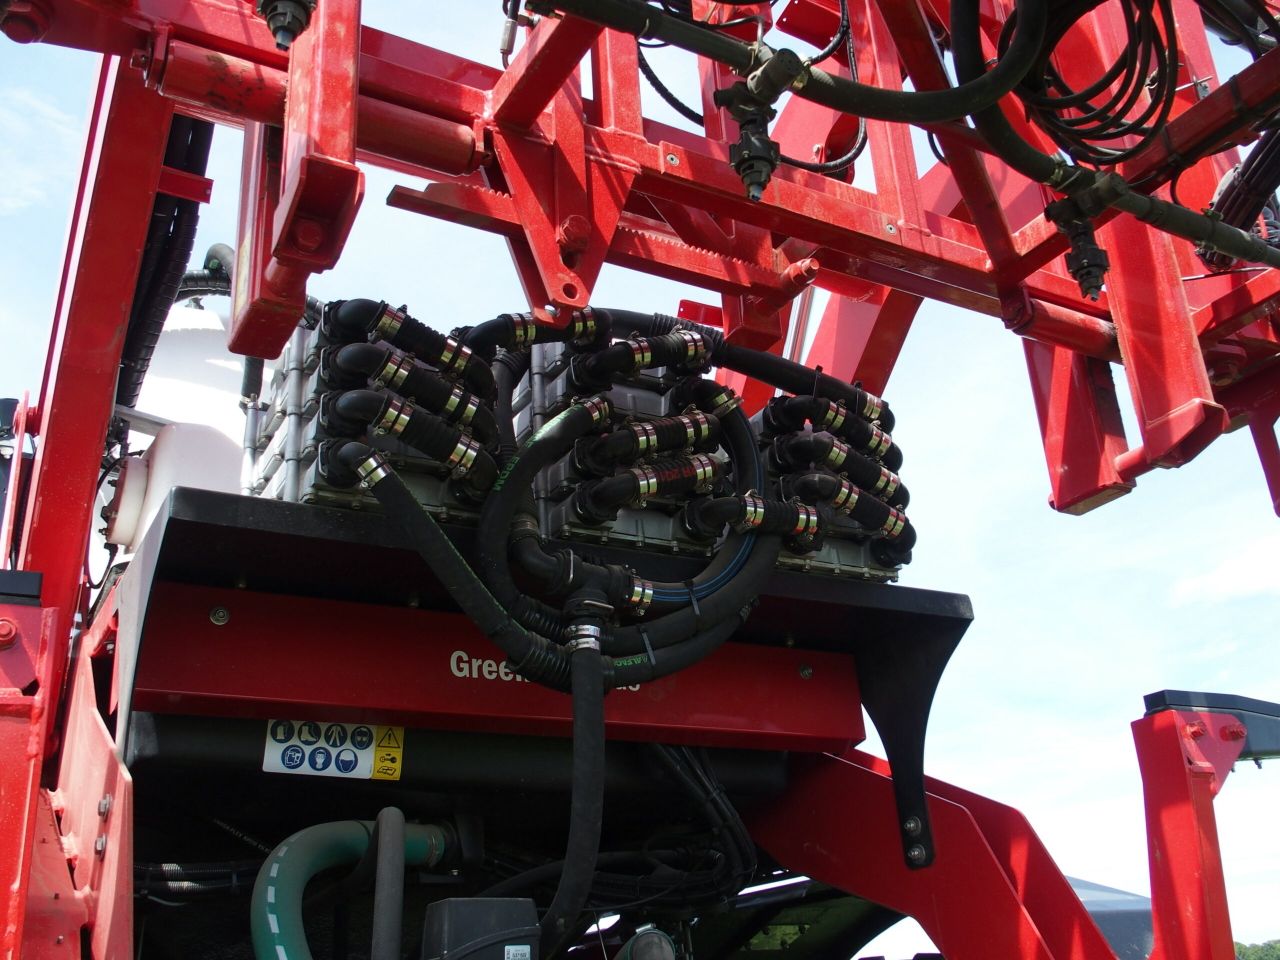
{"type": "Point", "coordinates": [1173, 586]}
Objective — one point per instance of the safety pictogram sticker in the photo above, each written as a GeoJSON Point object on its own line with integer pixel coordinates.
{"type": "Point", "coordinates": [316, 748]}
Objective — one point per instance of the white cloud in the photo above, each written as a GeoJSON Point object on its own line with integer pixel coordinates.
{"type": "Point", "coordinates": [38, 155]}
{"type": "Point", "coordinates": [1247, 571]}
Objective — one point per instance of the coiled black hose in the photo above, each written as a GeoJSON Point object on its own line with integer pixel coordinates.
{"type": "Point", "coordinates": [531, 655]}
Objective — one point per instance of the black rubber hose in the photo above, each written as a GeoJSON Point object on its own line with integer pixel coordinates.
{"type": "Point", "coordinates": [799, 451]}
{"type": "Point", "coordinates": [784, 414]}
{"type": "Point", "coordinates": [586, 803]}
{"type": "Point", "coordinates": [596, 501]}
{"type": "Point", "coordinates": [531, 655]}
{"type": "Point", "coordinates": [650, 664]}
{"type": "Point", "coordinates": [511, 331]}
{"type": "Point", "coordinates": [376, 320]}
{"type": "Point", "coordinates": [772, 369]}
{"type": "Point", "coordinates": [413, 381]}
{"type": "Point", "coordinates": [388, 887]}
{"type": "Point", "coordinates": [927, 106]}
{"type": "Point", "coordinates": [508, 369]}
{"type": "Point", "coordinates": [900, 535]}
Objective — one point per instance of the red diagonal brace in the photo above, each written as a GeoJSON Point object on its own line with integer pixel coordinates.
{"type": "Point", "coordinates": [548, 58]}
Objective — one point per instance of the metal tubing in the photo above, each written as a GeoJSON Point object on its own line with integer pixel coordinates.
{"type": "Point", "coordinates": [244, 90]}
{"type": "Point", "coordinates": [1063, 327]}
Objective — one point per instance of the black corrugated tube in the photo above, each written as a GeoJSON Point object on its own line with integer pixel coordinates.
{"type": "Point", "coordinates": [400, 374]}
{"type": "Point", "coordinates": [531, 655]}
{"type": "Point", "coordinates": [377, 320]}
{"type": "Point", "coordinates": [695, 431]}
{"type": "Point", "coordinates": [767, 367]}
{"type": "Point", "coordinates": [515, 331]}
{"type": "Point", "coordinates": [596, 501]}
{"type": "Point", "coordinates": [170, 237]}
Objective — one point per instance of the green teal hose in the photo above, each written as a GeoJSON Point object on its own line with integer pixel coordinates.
{"type": "Point", "coordinates": [276, 910]}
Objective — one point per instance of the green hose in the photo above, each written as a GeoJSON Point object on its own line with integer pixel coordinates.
{"type": "Point", "coordinates": [276, 910]}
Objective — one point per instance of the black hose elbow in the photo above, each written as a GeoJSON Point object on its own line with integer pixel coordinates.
{"type": "Point", "coordinates": [352, 320]}
{"type": "Point", "coordinates": [364, 358]}
{"type": "Point", "coordinates": [364, 407]}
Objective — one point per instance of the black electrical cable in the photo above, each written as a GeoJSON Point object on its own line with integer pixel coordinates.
{"type": "Point", "coordinates": [676, 104]}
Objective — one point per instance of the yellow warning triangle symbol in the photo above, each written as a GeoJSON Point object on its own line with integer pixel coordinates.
{"type": "Point", "coordinates": [388, 739]}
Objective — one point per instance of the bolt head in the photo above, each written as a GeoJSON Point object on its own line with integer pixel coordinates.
{"type": "Point", "coordinates": [8, 633]}
{"type": "Point", "coordinates": [913, 826]}
{"type": "Point", "coordinates": [219, 616]}
{"type": "Point", "coordinates": [104, 806]}
{"type": "Point", "coordinates": [673, 159]}
{"type": "Point", "coordinates": [806, 672]}
{"type": "Point", "coordinates": [308, 235]}
{"type": "Point", "coordinates": [100, 845]}
{"type": "Point", "coordinates": [916, 853]}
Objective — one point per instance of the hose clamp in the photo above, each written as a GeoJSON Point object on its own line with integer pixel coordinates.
{"type": "Point", "coordinates": [872, 407]}
{"type": "Point", "coordinates": [395, 417]}
{"type": "Point", "coordinates": [598, 407]}
{"type": "Point", "coordinates": [453, 356]}
{"type": "Point", "coordinates": [394, 371]}
{"type": "Point", "coordinates": [524, 331]}
{"type": "Point", "coordinates": [646, 437]}
{"type": "Point", "coordinates": [847, 498]}
{"type": "Point", "coordinates": [584, 327]}
{"type": "Point", "coordinates": [880, 442]}
{"type": "Point", "coordinates": [641, 353]}
{"type": "Point", "coordinates": [695, 347]}
{"type": "Point", "coordinates": [724, 403]}
{"type": "Point", "coordinates": [372, 471]}
{"type": "Point", "coordinates": [835, 416]}
{"type": "Point", "coordinates": [705, 471]}
{"type": "Point", "coordinates": [696, 427]}
{"type": "Point", "coordinates": [839, 451]}
{"type": "Point", "coordinates": [646, 484]}
{"type": "Point", "coordinates": [459, 397]}
{"type": "Point", "coordinates": [893, 525]}
{"type": "Point", "coordinates": [887, 483]}
{"type": "Point", "coordinates": [582, 636]}
{"type": "Point", "coordinates": [389, 324]}
{"type": "Point", "coordinates": [806, 521]}
{"type": "Point", "coordinates": [752, 512]}
{"type": "Point", "coordinates": [641, 595]}
{"type": "Point", "coordinates": [463, 456]}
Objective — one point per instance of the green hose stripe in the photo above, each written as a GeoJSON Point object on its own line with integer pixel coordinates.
{"type": "Point", "coordinates": [510, 465]}
{"type": "Point", "coordinates": [276, 910]}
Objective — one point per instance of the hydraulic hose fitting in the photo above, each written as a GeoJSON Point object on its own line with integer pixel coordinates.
{"type": "Point", "coordinates": [1086, 261]}
{"type": "Point", "coordinates": [599, 408]}
{"type": "Point", "coordinates": [286, 19]}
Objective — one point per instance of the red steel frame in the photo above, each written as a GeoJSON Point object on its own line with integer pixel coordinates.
{"type": "Point", "coordinates": [573, 183]}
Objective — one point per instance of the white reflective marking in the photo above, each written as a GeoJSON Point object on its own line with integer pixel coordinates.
{"type": "Point", "coordinates": [280, 952]}
{"type": "Point", "coordinates": [271, 894]}
{"type": "Point", "coordinates": [275, 868]}
{"type": "Point", "coordinates": [273, 923]}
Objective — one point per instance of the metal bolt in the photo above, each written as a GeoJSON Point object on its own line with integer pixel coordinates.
{"type": "Point", "coordinates": [308, 235]}
{"type": "Point", "coordinates": [104, 806]}
{"type": "Point", "coordinates": [1234, 731]}
{"type": "Point", "coordinates": [59, 938]}
{"type": "Point", "coordinates": [916, 853]}
{"type": "Point", "coordinates": [912, 826]}
{"type": "Point", "coordinates": [673, 159]}
{"type": "Point", "coordinates": [100, 846]}
{"type": "Point", "coordinates": [574, 232]}
{"type": "Point", "coordinates": [219, 616]}
{"type": "Point", "coordinates": [1196, 729]}
{"type": "Point", "coordinates": [806, 672]}
{"type": "Point", "coordinates": [8, 633]}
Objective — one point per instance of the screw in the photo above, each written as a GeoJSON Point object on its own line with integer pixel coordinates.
{"type": "Point", "coordinates": [912, 826]}
{"type": "Point", "coordinates": [673, 159]}
{"type": "Point", "coordinates": [916, 853]}
{"type": "Point", "coordinates": [104, 806]}
{"type": "Point", "coordinates": [806, 672]}
{"type": "Point", "coordinates": [8, 633]}
{"type": "Point", "coordinates": [308, 235]}
{"type": "Point", "coordinates": [574, 233]}
{"type": "Point", "coordinates": [219, 616]}
{"type": "Point", "coordinates": [100, 846]}
{"type": "Point", "coordinates": [59, 938]}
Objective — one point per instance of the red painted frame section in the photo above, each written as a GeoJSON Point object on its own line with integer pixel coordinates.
{"type": "Point", "coordinates": [573, 184]}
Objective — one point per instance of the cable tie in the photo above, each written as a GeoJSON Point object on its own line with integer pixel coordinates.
{"type": "Point", "coordinates": [693, 603]}
{"type": "Point", "coordinates": [648, 647]}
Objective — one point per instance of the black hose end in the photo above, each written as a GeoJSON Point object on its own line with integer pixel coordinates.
{"type": "Point", "coordinates": [582, 379]}
{"type": "Point", "coordinates": [586, 510]}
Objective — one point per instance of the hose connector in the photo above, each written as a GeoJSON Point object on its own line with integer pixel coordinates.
{"type": "Point", "coordinates": [641, 595]}
{"type": "Point", "coordinates": [753, 512]}
{"type": "Point", "coordinates": [388, 325]}
{"type": "Point", "coordinates": [454, 357]}
{"type": "Point", "coordinates": [582, 636]}
{"type": "Point", "coordinates": [463, 456]}
{"type": "Point", "coordinates": [599, 408]}
{"type": "Point", "coordinates": [395, 417]}
{"type": "Point", "coordinates": [466, 402]}
{"type": "Point", "coordinates": [392, 374]}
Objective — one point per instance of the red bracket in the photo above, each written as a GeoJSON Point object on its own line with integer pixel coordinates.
{"type": "Point", "coordinates": [301, 202]}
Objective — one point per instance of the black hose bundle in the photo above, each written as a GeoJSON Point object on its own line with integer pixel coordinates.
{"type": "Point", "coordinates": [170, 237]}
{"type": "Point", "coordinates": [1247, 195]}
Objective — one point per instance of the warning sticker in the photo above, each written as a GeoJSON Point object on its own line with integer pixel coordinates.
{"type": "Point", "coordinates": [356, 751]}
